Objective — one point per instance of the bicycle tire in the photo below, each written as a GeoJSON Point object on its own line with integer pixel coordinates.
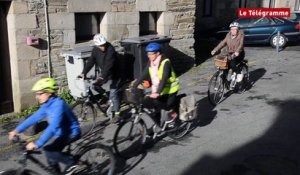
{"type": "Point", "coordinates": [246, 80]}
{"type": "Point", "coordinates": [19, 172]}
{"type": "Point", "coordinates": [181, 128]}
{"type": "Point", "coordinates": [95, 159]}
{"type": "Point", "coordinates": [243, 85]}
{"type": "Point", "coordinates": [86, 114]}
{"type": "Point", "coordinates": [134, 133]}
{"type": "Point", "coordinates": [215, 89]}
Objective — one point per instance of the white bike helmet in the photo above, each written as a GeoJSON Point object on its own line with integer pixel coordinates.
{"type": "Point", "coordinates": [99, 39]}
{"type": "Point", "coordinates": [234, 24]}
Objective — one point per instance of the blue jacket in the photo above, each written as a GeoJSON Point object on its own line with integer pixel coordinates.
{"type": "Point", "coordinates": [61, 120]}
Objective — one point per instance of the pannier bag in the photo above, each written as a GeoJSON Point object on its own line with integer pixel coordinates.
{"type": "Point", "coordinates": [187, 108]}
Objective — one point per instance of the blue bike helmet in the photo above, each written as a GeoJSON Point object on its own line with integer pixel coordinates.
{"type": "Point", "coordinates": [153, 47]}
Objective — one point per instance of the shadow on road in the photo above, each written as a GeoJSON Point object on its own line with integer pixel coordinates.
{"type": "Point", "coordinates": [205, 111]}
{"type": "Point", "coordinates": [254, 76]}
{"type": "Point", "coordinates": [276, 152]}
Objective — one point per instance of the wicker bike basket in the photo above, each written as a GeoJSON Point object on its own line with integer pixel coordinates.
{"type": "Point", "coordinates": [134, 96]}
{"type": "Point", "coordinates": [221, 62]}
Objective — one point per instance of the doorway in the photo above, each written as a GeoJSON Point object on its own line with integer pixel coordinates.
{"type": "Point", "coordinates": [6, 99]}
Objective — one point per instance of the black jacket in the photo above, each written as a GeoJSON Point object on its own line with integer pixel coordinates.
{"type": "Point", "coordinates": [107, 62]}
{"type": "Point", "coordinates": [146, 75]}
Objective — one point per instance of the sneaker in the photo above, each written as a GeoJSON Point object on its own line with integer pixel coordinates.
{"type": "Point", "coordinates": [239, 77]}
{"type": "Point", "coordinates": [116, 117]}
{"type": "Point", "coordinates": [70, 170]}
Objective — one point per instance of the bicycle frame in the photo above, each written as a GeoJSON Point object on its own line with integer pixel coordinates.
{"type": "Point", "coordinates": [138, 110]}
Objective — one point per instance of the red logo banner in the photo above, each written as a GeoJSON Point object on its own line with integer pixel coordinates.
{"type": "Point", "coordinates": [264, 12]}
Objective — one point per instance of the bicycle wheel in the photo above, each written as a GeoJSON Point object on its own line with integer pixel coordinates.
{"type": "Point", "coordinates": [180, 129]}
{"type": "Point", "coordinates": [86, 115]}
{"type": "Point", "coordinates": [95, 159]}
{"type": "Point", "coordinates": [19, 172]}
{"type": "Point", "coordinates": [129, 138]}
{"type": "Point", "coordinates": [215, 89]}
{"type": "Point", "coordinates": [243, 85]}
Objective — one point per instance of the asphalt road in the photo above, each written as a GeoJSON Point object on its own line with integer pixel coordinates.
{"type": "Point", "coordinates": [254, 133]}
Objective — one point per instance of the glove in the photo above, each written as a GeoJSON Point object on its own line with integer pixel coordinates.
{"type": "Point", "coordinates": [146, 84]}
{"type": "Point", "coordinates": [81, 76]}
{"type": "Point", "coordinates": [99, 81]}
{"type": "Point", "coordinates": [213, 52]}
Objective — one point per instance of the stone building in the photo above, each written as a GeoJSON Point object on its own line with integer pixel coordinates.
{"type": "Point", "coordinates": [33, 33]}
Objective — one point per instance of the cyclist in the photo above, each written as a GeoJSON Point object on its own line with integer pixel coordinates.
{"type": "Point", "coordinates": [234, 41]}
{"type": "Point", "coordinates": [63, 127]}
{"type": "Point", "coordinates": [104, 57]}
{"type": "Point", "coordinates": [164, 83]}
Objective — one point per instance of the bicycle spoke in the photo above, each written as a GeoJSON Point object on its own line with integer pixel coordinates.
{"type": "Point", "coordinates": [216, 88]}
{"type": "Point", "coordinates": [96, 159]}
{"type": "Point", "coordinates": [129, 138]}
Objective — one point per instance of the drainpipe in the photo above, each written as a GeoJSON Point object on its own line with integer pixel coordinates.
{"type": "Point", "coordinates": [48, 39]}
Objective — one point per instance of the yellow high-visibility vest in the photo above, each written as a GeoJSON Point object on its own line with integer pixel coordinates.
{"type": "Point", "coordinates": [172, 84]}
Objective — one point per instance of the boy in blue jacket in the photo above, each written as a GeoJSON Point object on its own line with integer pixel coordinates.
{"type": "Point", "coordinates": [63, 127]}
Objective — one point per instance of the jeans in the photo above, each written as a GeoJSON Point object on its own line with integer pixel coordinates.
{"type": "Point", "coordinates": [114, 95]}
{"type": "Point", "coordinates": [53, 151]}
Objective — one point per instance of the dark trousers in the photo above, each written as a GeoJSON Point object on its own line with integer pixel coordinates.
{"type": "Point", "coordinates": [164, 102]}
{"type": "Point", "coordinates": [53, 151]}
{"type": "Point", "coordinates": [235, 63]}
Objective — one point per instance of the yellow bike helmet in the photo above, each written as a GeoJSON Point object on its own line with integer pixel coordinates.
{"type": "Point", "coordinates": [45, 84]}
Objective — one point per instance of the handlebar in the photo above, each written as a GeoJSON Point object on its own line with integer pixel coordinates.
{"type": "Point", "coordinates": [22, 143]}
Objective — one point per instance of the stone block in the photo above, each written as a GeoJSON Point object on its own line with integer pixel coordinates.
{"type": "Point", "coordinates": [62, 21]}
{"type": "Point", "coordinates": [115, 32]}
{"type": "Point", "coordinates": [166, 18]}
{"type": "Point", "coordinates": [153, 5]}
{"type": "Point", "coordinates": [20, 36]}
{"type": "Point", "coordinates": [121, 18]}
{"type": "Point", "coordinates": [89, 6]}
{"type": "Point", "coordinates": [69, 37]}
{"type": "Point", "coordinates": [24, 69]}
{"type": "Point", "coordinates": [23, 21]}
{"type": "Point", "coordinates": [134, 31]}
{"type": "Point", "coordinates": [18, 7]}
{"type": "Point", "coordinates": [163, 30]}
{"type": "Point", "coordinates": [25, 52]}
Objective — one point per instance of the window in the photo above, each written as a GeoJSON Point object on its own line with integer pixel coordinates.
{"type": "Point", "coordinates": [297, 5]}
{"type": "Point", "coordinates": [87, 25]}
{"type": "Point", "coordinates": [278, 21]}
{"type": "Point", "coordinates": [243, 3]}
{"type": "Point", "coordinates": [207, 8]}
{"type": "Point", "coordinates": [272, 3]}
{"type": "Point", "coordinates": [262, 22]}
{"type": "Point", "coordinates": [148, 23]}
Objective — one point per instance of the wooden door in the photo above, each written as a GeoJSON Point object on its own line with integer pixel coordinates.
{"type": "Point", "coordinates": [6, 100]}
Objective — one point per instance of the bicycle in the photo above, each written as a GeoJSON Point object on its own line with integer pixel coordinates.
{"type": "Point", "coordinates": [92, 159]}
{"type": "Point", "coordinates": [130, 136]}
{"type": "Point", "coordinates": [222, 80]}
{"type": "Point", "coordinates": [84, 107]}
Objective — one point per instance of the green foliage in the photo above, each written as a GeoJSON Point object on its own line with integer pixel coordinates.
{"type": "Point", "coordinates": [20, 115]}
{"type": "Point", "coordinates": [63, 93]}
{"type": "Point", "coordinates": [66, 95]}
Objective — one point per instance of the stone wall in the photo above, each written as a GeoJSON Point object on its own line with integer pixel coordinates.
{"type": "Point", "coordinates": [121, 20]}
{"type": "Point", "coordinates": [182, 20]}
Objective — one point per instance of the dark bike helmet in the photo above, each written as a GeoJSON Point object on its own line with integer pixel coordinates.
{"type": "Point", "coordinates": [153, 47]}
